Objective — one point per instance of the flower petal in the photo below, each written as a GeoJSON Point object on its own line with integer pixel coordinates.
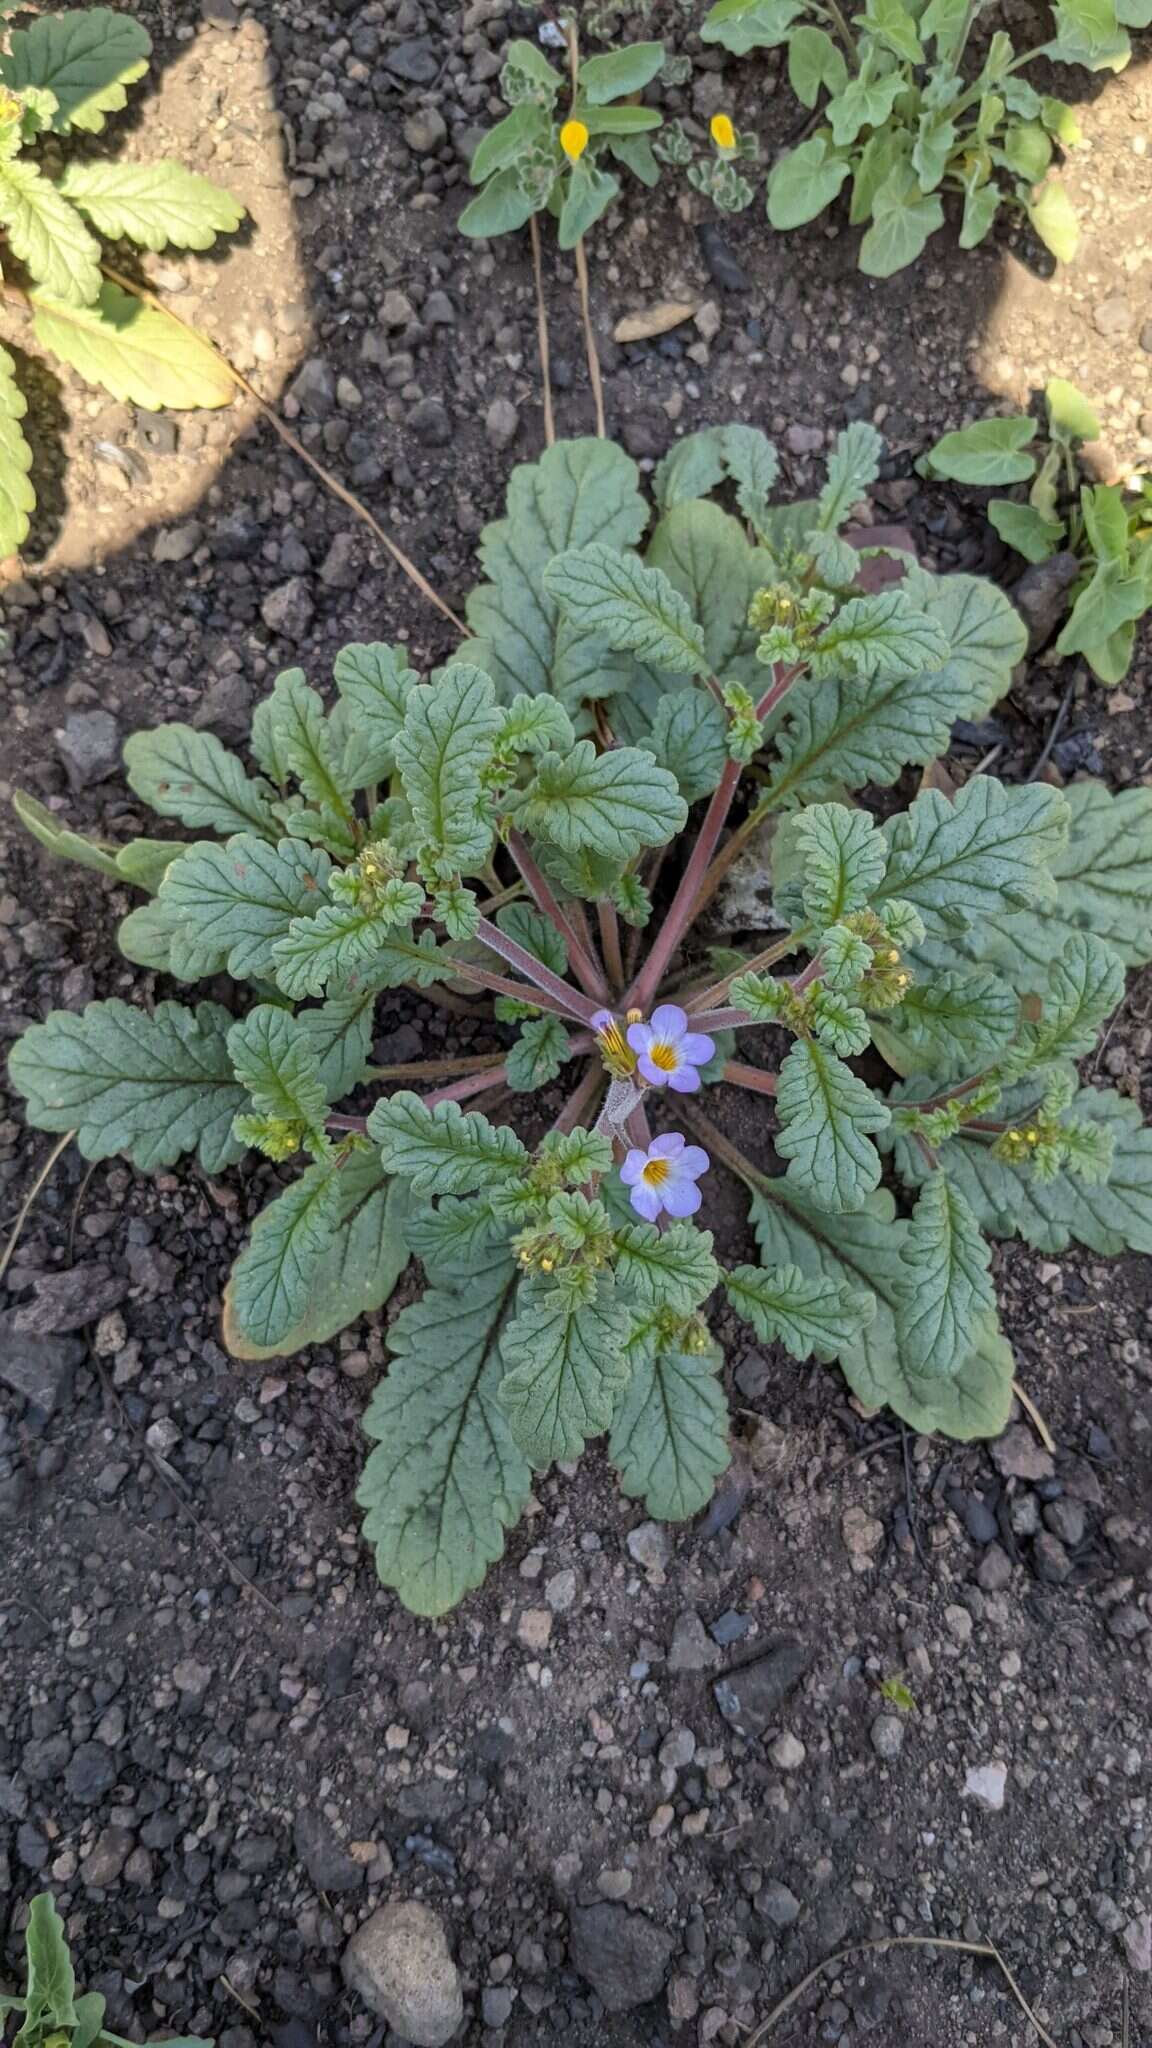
{"type": "Point", "coordinates": [601, 1020]}
{"type": "Point", "coordinates": [697, 1048]}
{"type": "Point", "coordinates": [639, 1037]}
{"type": "Point", "coordinates": [647, 1201]}
{"type": "Point", "coordinates": [693, 1161]}
{"type": "Point", "coordinates": [654, 1075]}
{"type": "Point", "coordinates": [633, 1167]}
{"type": "Point", "coordinates": [668, 1145]}
{"type": "Point", "coordinates": [685, 1080]}
{"type": "Point", "coordinates": [681, 1198]}
{"type": "Point", "coordinates": [669, 1021]}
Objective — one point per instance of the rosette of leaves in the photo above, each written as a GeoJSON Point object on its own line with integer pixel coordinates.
{"type": "Point", "coordinates": [53, 2014]}
{"type": "Point", "coordinates": [716, 172]}
{"type": "Point", "coordinates": [521, 164]}
{"type": "Point", "coordinates": [1107, 528]}
{"type": "Point", "coordinates": [903, 126]}
{"type": "Point", "coordinates": [635, 688]}
{"type": "Point", "coordinates": [62, 75]}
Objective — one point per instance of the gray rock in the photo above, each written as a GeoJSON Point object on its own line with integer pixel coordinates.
{"type": "Point", "coordinates": [226, 708]}
{"type": "Point", "coordinates": [985, 1783]}
{"type": "Point", "coordinates": [721, 264]}
{"type": "Point", "coordinates": [1050, 1560]}
{"type": "Point", "coordinates": [650, 1545]}
{"type": "Point", "coordinates": [1113, 316]}
{"type": "Point", "coordinates": [777, 1904]}
{"type": "Point", "coordinates": [887, 1736]}
{"type": "Point", "coordinates": [39, 1369]}
{"type": "Point", "coordinates": [1020, 1455]}
{"type": "Point", "coordinates": [677, 1749]}
{"type": "Point", "coordinates": [328, 1865]}
{"type": "Point", "coordinates": [425, 130]}
{"type": "Point", "coordinates": [177, 543]}
{"type": "Point", "coordinates": [89, 746]}
{"type": "Point", "coordinates": [314, 388]}
{"type": "Point", "coordinates": [67, 1301]}
{"type": "Point", "coordinates": [340, 568]}
{"type": "Point", "coordinates": [496, 2002]}
{"type": "Point", "coordinates": [692, 1647]}
{"type": "Point", "coordinates": [502, 422]}
{"type": "Point", "coordinates": [396, 309]}
{"type": "Point", "coordinates": [995, 1571]}
{"type": "Point", "coordinates": [90, 1774]}
{"type": "Point", "coordinates": [625, 1956]}
{"type": "Point", "coordinates": [400, 1964]}
{"type": "Point", "coordinates": [438, 310]}
{"type": "Point", "coordinates": [431, 423]}
{"type": "Point", "coordinates": [415, 61]}
{"type": "Point", "coordinates": [288, 609]}
{"type": "Point", "coordinates": [1041, 596]}
{"type": "Point", "coordinates": [1067, 1520]}
{"type": "Point", "coordinates": [750, 1698]}
{"type": "Point", "coordinates": [106, 1858]}
{"type": "Point", "coordinates": [1137, 1943]}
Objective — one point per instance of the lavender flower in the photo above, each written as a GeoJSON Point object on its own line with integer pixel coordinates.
{"type": "Point", "coordinates": [668, 1053]}
{"type": "Point", "coordinates": [664, 1177]}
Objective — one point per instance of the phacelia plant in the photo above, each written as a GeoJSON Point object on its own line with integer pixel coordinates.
{"type": "Point", "coordinates": [909, 1035]}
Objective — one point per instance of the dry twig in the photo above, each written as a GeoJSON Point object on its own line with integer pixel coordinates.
{"type": "Point", "coordinates": [860, 1948]}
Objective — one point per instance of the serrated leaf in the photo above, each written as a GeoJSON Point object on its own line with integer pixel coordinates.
{"type": "Point", "coordinates": [880, 635]}
{"type": "Point", "coordinates": [339, 1033]}
{"type": "Point", "coordinates": [630, 606]}
{"type": "Point", "coordinates": [805, 181]}
{"type": "Point", "coordinates": [273, 1059]}
{"type": "Point", "coordinates": [138, 353]}
{"type": "Point", "coordinates": [847, 733]}
{"type": "Point", "coordinates": [853, 466]}
{"type": "Point", "coordinates": [948, 1290]}
{"type": "Point", "coordinates": [443, 1150]}
{"type": "Point", "coordinates": [48, 235]}
{"type": "Point", "coordinates": [753, 464]}
{"type": "Point", "coordinates": [705, 556]}
{"type": "Point", "coordinates": [401, 960]}
{"type": "Point", "coordinates": [342, 941]}
{"type": "Point", "coordinates": [50, 1990]}
{"type": "Point", "coordinates": [542, 1048]}
{"type": "Point", "coordinates": [988, 452]}
{"type": "Point", "coordinates": [807, 1313]}
{"type": "Point", "coordinates": [532, 725]}
{"type": "Point", "coordinates": [578, 491]}
{"type": "Point", "coordinates": [566, 1370]}
{"type": "Point", "coordinates": [669, 1440]}
{"type": "Point", "coordinates": [85, 57]}
{"type": "Point", "coordinates": [1009, 1201]}
{"type": "Point", "coordinates": [843, 856]}
{"type": "Point", "coordinates": [536, 933]}
{"type": "Point", "coordinates": [155, 204]}
{"type": "Point", "coordinates": [60, 841]}
{"type": "Point", "coordinates": [445, 742]}
{"type": "Point", "coordinates": [458, 1232]}
{"type": "Point", "coordinates": [375, 683]}
{"type": "Point", "coordinates": [840, 1023]}
{"type": "Point", "coordinates": [185, 774]}
{"type": "Point", "coordinates": [242, 897]}
{"type": "Point", "coordinates": [689, 737]}
{"type": "Point", "coordinates": [951, 1025]}
{"type": "Point", "coordinates": [299, 734]}
{"type": "Point", "coordinates": [670, 1269]}
{"type": "Point", "coordinates": [612, 804]}
{"type": "Point", "coordinates": [151, 1087]}
{"type": "Point", "coordinates": [1084, 987]}
{"type": "Point", "coordinates": [864, 1251]}
{"type": "Point", "coordinates": [17, 496]}
{"type": "Point", "coordinates": [619, 72]}
{"type": "Point", "coordinates": [579, 1154]}
{"type": "Point", "coordinates": [275, 1275]}
{"type": "Point", "coordinates": [446, 1479]}
{"type": "Point", "coordinates": [987, 851]}
{"type": "Point", "coordinates": [825, 1115]}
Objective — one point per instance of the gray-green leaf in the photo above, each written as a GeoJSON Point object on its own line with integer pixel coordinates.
{"type": "Point", "coordinates": [825, 1115]}
{"type": "Point", "coordinates": [567, 1367]}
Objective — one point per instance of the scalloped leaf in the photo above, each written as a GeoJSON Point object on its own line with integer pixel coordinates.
{"type": "Point", "coordinates": [951, 1025]}
{"type": "Point", "coordinates": [808, 1313]}
{"type": "Point", "coordinates": [630, 606]}
{"type": "Point", "coordinates": [243, 896]}
{"type": "Point", "coordinates": [276, 1274]}
{"type": "Point", "coordinates": [853, 468]}
{"type": "Point", "coordinates": [843, 855]}
{"type": "Point", "coordinates": [706, 557]}
{"type": "Point", "coordinates": [880, 635]}
{"type": "Point", "coordinates": [689, 737]}
{"type": "Point", "coordinates": [84, 56]}
{"type": "Point", "coordinates": [666, 1269]}
{"type": "Point", "coordinates": [567, 1367]}
{"type": "Point", "coordinates": [151, 1087]}
{"type": "Point", "coordinates": [154, 204]}
{"type": "Point", "coordinates": [294, 726]}
{"type": "Point", "coordinates": [579, 491]}
{"type": "Point", "coordinates": [185, 774]}
{"type": "Point", "coordinates": [359, 1266]}
{"type": "Point", "coordinates": [825, 1116]}
{"type": "Point", "coordinates": [50, 1987]}
{"type": "Point", "coordinates": [17, 495]}
{"type": "Point", "coordinates": [443, 1150]}
{"type": "Point", "coordinates": [342, 941]}
{"type": "Point", "coordinates": [274, 1060]}
{"type": "Point", "coordinates": [669, 1441]}
{"type": "Point", "coordinates": [1084, 986]}
{"type": "Point", "coordinates": [611, 804]}
{"type": "Point", "coordinates": [542, 1048]}
{"type": "Point", "coordinates": [1009, 1202]}
{"type": "Point", "coordinates": [947, 1294]}
{"type": "Point", "coordinates": [137, 352]}
{"type": "Point", "coordinates": [988, 850]}
{"type": "Point", "coordinates": [375, 682]}
{"type": "Point", "coordinates": [47, 234]}
{"type": "Point", "coordinates": [536, 933]}
{"type": "Point", "coordinates": [445, 742]}
{"type": "Point", "coordinates": [446, 1479]}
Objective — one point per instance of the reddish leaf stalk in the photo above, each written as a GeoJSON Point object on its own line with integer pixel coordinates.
{"type": "Point", "coordinates": [581, 1102]}
{"type": "Point", "coordinates": [521, 991]}
{"type": "Point", "coordinates": [572, 1003]}
{"type": "Point", "coordinates": [754, 1078]}
{"type": "Point", "coordinates": [709, 997]}
{"type": "Point", "coordinates": [610, 943]}
{"type": "Point", "coordinates": [583, 966]}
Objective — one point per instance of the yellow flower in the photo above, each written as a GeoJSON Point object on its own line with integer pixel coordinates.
{"type": "Point", "coordinates": [723, 133]}
{"type": "Point", "coordinates": [573, 140]}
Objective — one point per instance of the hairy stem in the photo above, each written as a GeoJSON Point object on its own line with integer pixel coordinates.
{"type": "Point", "coordinates": [436, 1070]}
{"type": "Point", "coordinates": [753, 1078]}
{"type": "Point", "coordinates": [837, 15]}
{"type": "Point", "coordinates": [723, 1149]}
{"type": "Point", "coordinates": [610, 943]}
{"type": "Point", "coordinates": [520, 991]}
{"type": "Point", "coordinates": [779, 950]}
{"type": "Point", "coordinates": [571, 1003]}
{"type": "Point", "coordinates": [579, 959]}
{"type": "Point", "coordinates": [679, 915]}
{"type": "Point", "coordinates": [582, 1100]}
{"type": "Point", "coordinates": [542, 333]}
{"type": "Point", "coordinates": [734, 845]}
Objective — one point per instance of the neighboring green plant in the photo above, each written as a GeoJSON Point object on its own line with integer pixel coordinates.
{"type": "Point", "coordinates": [715, 174]}
{"type": "Point", "coordinates": [906, 127]}
{"type": "Point", "coordinates": [534, 784]}
{"type": "Point", "coordinates": [53, 2016]}
{"type": "Point", "coordinates": [64, 74]}
{"type": "Point", "coordinates": [1110, 530]}
{"type": "Point", "coordinates": [532, 161]}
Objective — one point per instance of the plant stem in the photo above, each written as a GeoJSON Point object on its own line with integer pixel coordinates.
{"type": "Point", "coordinates": [590, 338]}
{"type": "Point", "coordinates": [542, 333]}
{"type": "Point", "coordinates": [571, 1003]}
{"type": "Point", "coordinates": [610, 943]}
{"type": "Point", "coordinates": [753, 1078]}
{"type": "Point", "coordinates": [723, 1149]}
{"type": "Point", "coordinates": [582, 1100]}
{"type": "Point", "coordinates": [436, 1070]}
{"type": "Point", "coordinates": [520, 991]}
{"type": "Point", "coordinates": [725, 858]}
{"type": "Point", "coordinates": [679, 915]}
{"type": "Point", "coordinates": [583, 966]}
{"type": "Point", "coordinates": [25, 1208]}
{"type": "Point", "coordinates": [723, 1020]}
{"type": "Point", "coordinates": [842, 29]}
{"type": "Point", "coordinates": [709, 997]}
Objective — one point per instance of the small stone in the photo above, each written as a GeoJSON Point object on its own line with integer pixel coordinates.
{"type": "Point", "coordinates": [314, 389]}
{"type": "Point", "coordinates": [431, 423]}
{"type": "Point", "coordinates": [106, 1858]}
{"type": "Point", "coordinates": [1041, 596]}
{"type": "Point", "coordinates": [750, 1698]}
{"type": "Point", "coordinates": [340, 568]}
{"type": "Point", "coordinates": [862, 1535]}
{"type": "Point", "coordinates": [623, 1955]}
{"type": "Point", "coordinates": [91, 1773]}
{"type": "Point", "coordinates": [985, 1783]}
{"type": "Point", "coordinates": [1113, 317]}
{"type": "Point", "coordinates": [1050, 1560]}
{"type": "Point", "coordinates": [396, 310]}
{"type": "Point", "coordinates": [1067, 1520]}
{"type": "Point", "coordinates": [650, 1546]}
{"type": "Point", "coordinates": [708, 320]}
{"type": "Point", "coordinates": [288, 610]}
{"type": "Point", "coordinates": [535, 1628]}
{"type": "Point", "coordinates": [177, 543]}
{"type": "Point", "coordinates": [692, 1647]}
{"type": "Point", "coordinates": [502, 423]}
{"type": "Point", "coordinates": [801, 440]}
{"type": "Point", "coordinates": [787, 1752]}
{"type": "Point", "coordinates": [89, 746]}
{"type": "Point", "coordinates": [560, 1591]}
{"type": "Point", "coordinates": [661, 1821]}
{"type": "Point", "coordinates": [1137, 1943]}
{"type": "Point", "coordinates": [614, 1884]}
{"type": "Point", "coordinates": [438, 310]}
{"type": "Point", "coordinates": [415, 61]}
{"type": "Point", "coordinates": [777, 1904]}
{"type": "Point", "coordinates": [1020, 1455]}
{"type": "Point", "coordinates": [425, 130]}
{"type": "Point", "coordinates": [349, 396]}
{"type": "Point", "coordinates": [995, 1570]}
{"type": "Point", "coordinates": [190, 1676]}
{"type": "Point", "coordinates": [400, 1964]}
{"type": "Point", "coordinates": [887, 1736]}
{"type": "Point", "coordinates": [722, 266]}
{"type": "Point", "coordinates": [677, 1749]}
{"type": "Point", "coordinates": [496, 2002]}
{"type": "Point", "coordinates": [325, 1859]}
{"type": "Point", "coordinates": [683, 1999]}
{"type": "Point", "coordinates": [39, 1369]}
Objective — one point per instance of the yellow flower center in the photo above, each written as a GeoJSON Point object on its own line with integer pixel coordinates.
{"type": "Point", "coordinates": [664, 1056]}
{"type": "Point", "coordinates": [656, 1172]}
{"type": "Point", "coordinates": [573, 140]}
{"type": "Point", "coordinates": [723, 133]}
